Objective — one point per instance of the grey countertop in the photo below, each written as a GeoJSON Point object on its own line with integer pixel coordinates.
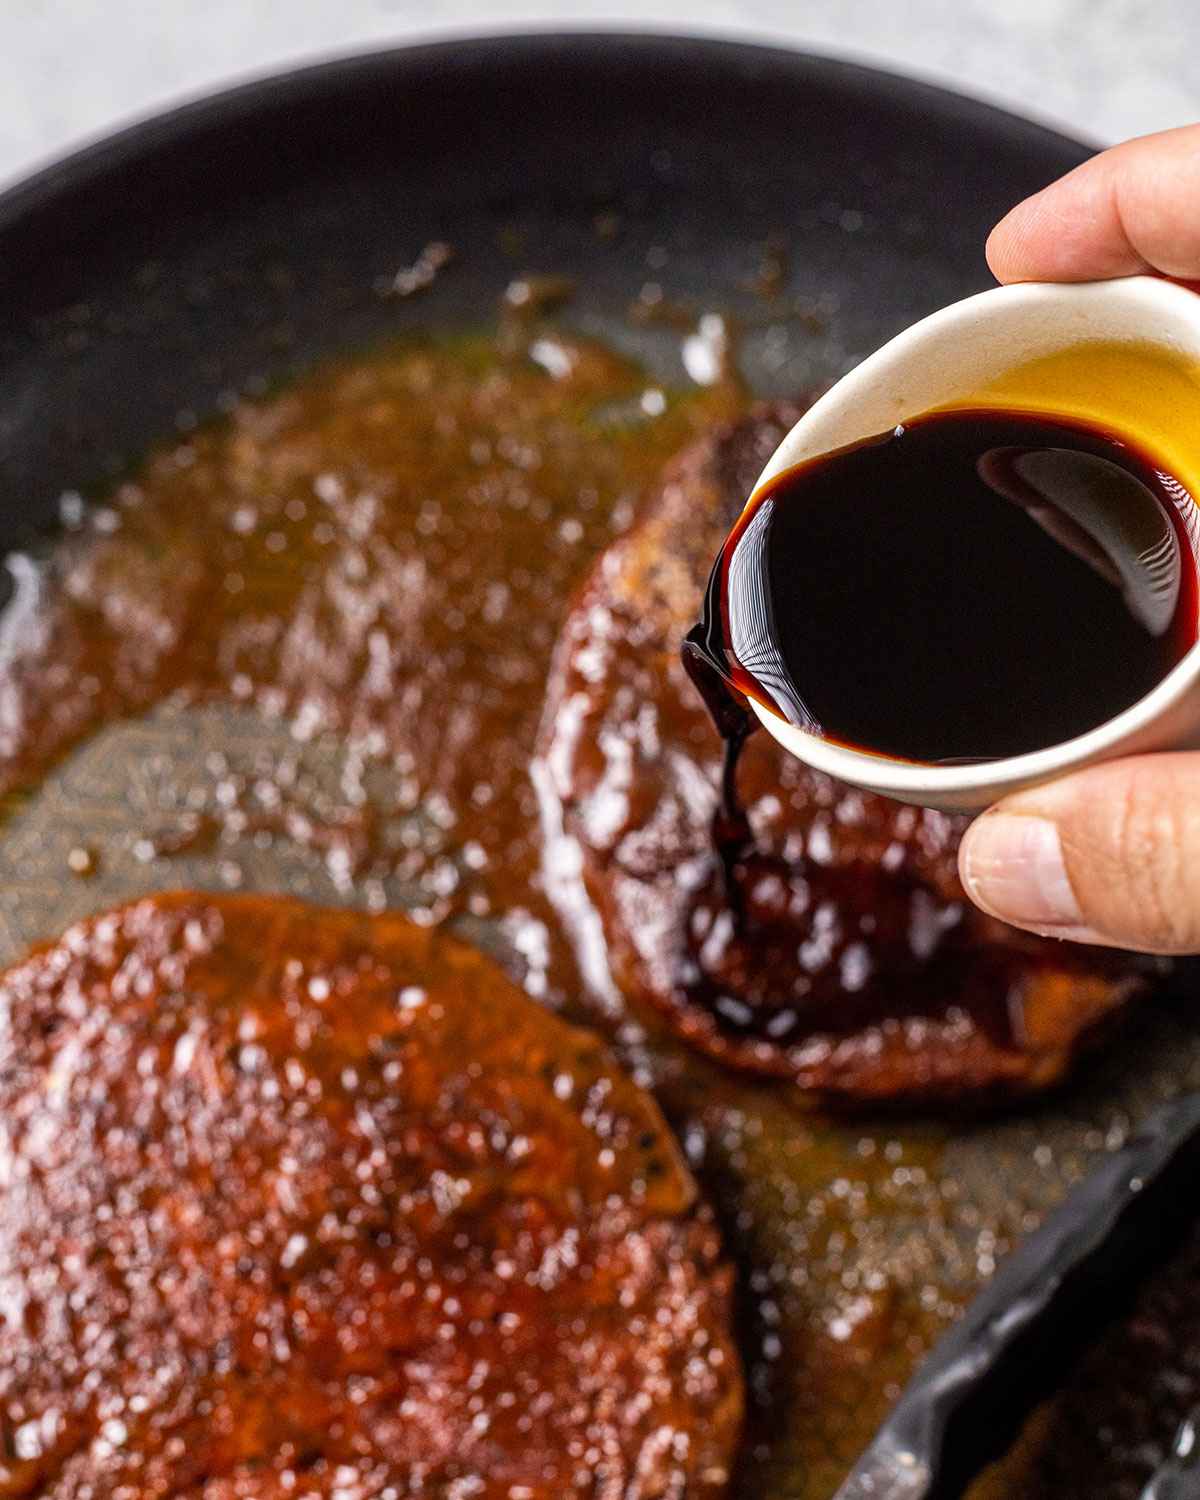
{"type": "Point", "coordinates": [1104, 69]}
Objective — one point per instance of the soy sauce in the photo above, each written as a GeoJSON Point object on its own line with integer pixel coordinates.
{"type": "Point", "coordinates": [973, 585]}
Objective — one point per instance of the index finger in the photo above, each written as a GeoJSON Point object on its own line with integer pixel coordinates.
{"type": "Point", "coordinates": [1131, 209]}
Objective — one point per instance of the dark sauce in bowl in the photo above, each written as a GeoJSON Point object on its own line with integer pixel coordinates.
{"type": "Point", "coordinates": [973, 585]}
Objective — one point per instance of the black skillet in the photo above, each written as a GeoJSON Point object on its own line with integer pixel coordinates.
{"type": "Point", "coordinates": [240, 236]}
{"type": "Point", "coordinates": [217, 249]}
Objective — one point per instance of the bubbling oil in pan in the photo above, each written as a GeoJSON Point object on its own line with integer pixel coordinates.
{"type": "Point", "coordinates": [305, 650]}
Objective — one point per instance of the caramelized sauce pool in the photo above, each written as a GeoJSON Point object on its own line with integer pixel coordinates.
{"type": "Point", "coordinates": [383, 551]}
{"type": "Point", "coordinates": [976, 584]}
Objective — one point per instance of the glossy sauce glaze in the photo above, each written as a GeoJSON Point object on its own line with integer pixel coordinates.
{"type": "Point", "coordinates": [308, 1202]}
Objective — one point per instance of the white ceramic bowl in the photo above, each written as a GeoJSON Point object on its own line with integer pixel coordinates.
{"type": "Point", "coordinates": [1125, 354]}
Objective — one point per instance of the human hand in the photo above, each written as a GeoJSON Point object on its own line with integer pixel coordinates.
{"type": "Point", "coordinates": [1111, 854]}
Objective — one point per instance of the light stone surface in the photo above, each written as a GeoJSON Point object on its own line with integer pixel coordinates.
{"type": "Point", "coordinates": [1103, 69]}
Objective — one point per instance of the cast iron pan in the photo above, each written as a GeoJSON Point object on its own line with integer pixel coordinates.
{"type": "Point", "coordinates": [242, 235]}
{"type": "Point", "coordinates": [150, 279]}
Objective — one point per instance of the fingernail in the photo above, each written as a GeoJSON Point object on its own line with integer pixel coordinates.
{"type": "Point", "coordinates": [1012, 865]}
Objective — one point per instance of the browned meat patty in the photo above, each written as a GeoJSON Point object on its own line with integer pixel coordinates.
{"type": "Point", "coordinates": [307, 1203]}
{"type": "Point", "coordinates": [856, 967]}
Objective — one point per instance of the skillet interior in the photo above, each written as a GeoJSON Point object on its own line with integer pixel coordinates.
{"type": "Point", "coordinates": [242, 236]}
{"type": "Point", "coordinates": [226, 246]}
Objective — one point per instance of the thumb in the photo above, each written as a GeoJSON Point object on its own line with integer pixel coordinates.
{"type": "Point", "coordinates": [1132, 208]}
{"type": "Point", "coordinates": [1109, 855]}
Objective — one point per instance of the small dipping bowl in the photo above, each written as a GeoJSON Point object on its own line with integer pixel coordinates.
{"type": "Point", "coordinates": [1123, 355]}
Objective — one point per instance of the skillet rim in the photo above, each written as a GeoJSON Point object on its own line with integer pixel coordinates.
{"type": "Point", "coordinates": [83, 167]}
